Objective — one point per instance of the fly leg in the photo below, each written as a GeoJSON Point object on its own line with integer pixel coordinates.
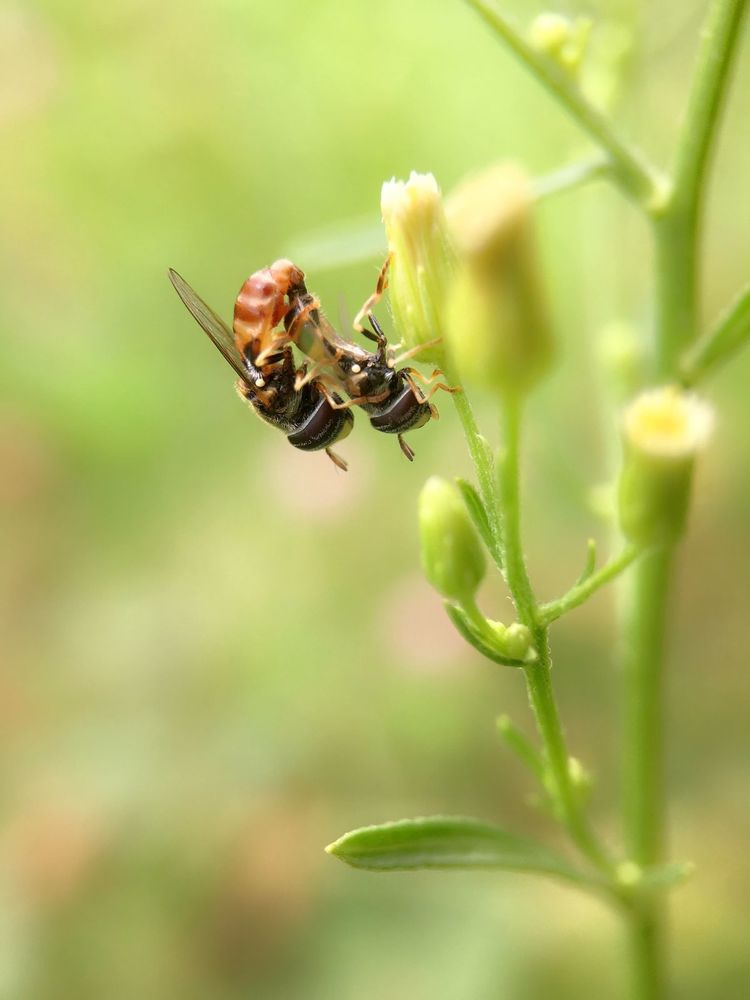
{"type": "Point", "coordinates": [344, 404]}
{"type": "Point", "coordinates": [372, 301]}
{"type": "Point", "coordinates": [303, 376]}
{"type": "Point", "coordinates": [434, 386]}
{"type": "Point", "coordinates": [337, 460]}
{"type": "Point", "coordinates": [409, 452]}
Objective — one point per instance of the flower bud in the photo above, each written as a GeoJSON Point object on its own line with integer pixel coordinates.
{"type": "Point", "coordinates": [622, 357]}
{"type": "Point", "coordinates": [421, 259]}
{"type": "Point", "coordinates": [561, 38]}
{"type": "Point", "coordinates": [497, 327]}
{"type": "Point", "coordinates": [663, 429]}
{"type": "Point", "coordinates": [452, 556]}
{"type": "Point", "coordinates": [517, 644]}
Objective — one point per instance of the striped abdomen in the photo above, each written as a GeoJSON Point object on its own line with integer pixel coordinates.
{"type": "Point", "coordinates": [260, 305]}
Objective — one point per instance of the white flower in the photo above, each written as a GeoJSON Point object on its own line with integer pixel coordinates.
{"type": "Point", "coordinates": [668, 423]}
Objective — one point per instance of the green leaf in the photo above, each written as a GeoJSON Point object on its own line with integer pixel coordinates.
{"type": "Point", "coordinates": [349, 241]}
{"type": "Point", "coordinates": [449, 842]}
{"type": "Point", "coordinates": [476, 511]}
{"type": "Point", "coordinates": [466, 629]}
{"type": "Point", "coordinates": [728, 336]}
{"type": "Point", "coordinates": [523, 749]}
{"type": "Point", "coordinates": [666, 876]}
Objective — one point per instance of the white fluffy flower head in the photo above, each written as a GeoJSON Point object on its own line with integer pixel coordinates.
{"type": "Point", "coordinates": [668, 423]}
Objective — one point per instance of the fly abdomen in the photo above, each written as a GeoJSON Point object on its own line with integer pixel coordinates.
{"type": "Point", "coordinates": [323, 425]}
{"type": "Point", "coordinates": [400, 412]}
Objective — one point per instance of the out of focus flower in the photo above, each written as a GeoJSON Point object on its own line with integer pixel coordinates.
{"type": "Point", "coordinates": [663, 430]}
{"type": "Point", "coordinates": [497, 324]}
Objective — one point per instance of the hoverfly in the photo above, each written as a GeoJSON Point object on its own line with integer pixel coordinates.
{"type": "Point", "coordinates": [311, 416]}
{"type": "Point", "coordinates": [389, 395]}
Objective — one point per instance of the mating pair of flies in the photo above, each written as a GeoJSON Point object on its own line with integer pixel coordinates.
{"type": "Point", "coordinates": [274, 311]}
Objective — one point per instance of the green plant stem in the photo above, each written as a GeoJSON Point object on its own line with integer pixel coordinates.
{"type": "Point", "coordinates": [630, 171]}
{"type": "Point", "coordinates": [480, 623]}
{"type": "Point", "coordinates": [677, 257]}
{"type": "Point", "coordinates": [677, 220]}
{"type": "Point", "coordinates": [556, 756]}
{"type": "Point", "coordinates": [514, 563]}
{"type": "Point", "coordinates": [707, 94]}
{"type": "Point", "coordinates": [570, 177]}
{"type": "Point", "coordinates": [644, 619]}
{"type": "Point", "coordinates": [582, 591]}
{"type": "Point", "coordinates": [676, 300]}
{"type": "Point", "coordinates": [644, 629]}
{"type": "Point", "coordinates": [538, 675]}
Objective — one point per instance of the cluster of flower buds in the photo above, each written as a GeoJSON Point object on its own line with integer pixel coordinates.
{"type": "Point", "coordinates": [561, 38]}
{"type": "Point", "coordinates": [465, 274]}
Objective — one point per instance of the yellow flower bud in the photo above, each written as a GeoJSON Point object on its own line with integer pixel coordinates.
{"type": "Point", "coordinates": [421, 259]}
{"type": "Point", "coordinates": [561, 38]}
{"type": "Point", "coordinates": [664, 429]}
{"type": "Point", "coordinates": [452, 556]}
{"type": "Point", "coordinates": [496, 322]}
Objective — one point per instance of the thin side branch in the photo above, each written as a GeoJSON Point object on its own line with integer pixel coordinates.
{"type": "Point", "coordinates": [630, 171]}
{"type": "Point", "coordinates": [707, 96]}
{"type": "Point", "coordinates": [582, 591]}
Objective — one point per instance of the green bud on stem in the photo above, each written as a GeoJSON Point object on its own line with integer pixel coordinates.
{"type": "Point", "coordinates": [664, 429]}
{"type": "Point", "coordinates": [496, 322]}
{"type": "Point", "coordinates": [452, 555]}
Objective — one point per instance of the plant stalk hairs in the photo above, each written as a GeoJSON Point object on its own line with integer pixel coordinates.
{"type": "Point", "coordinates": [465, 270]}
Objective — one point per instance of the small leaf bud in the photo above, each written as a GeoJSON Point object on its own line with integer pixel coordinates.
{"type": "Point", "coordinates": [517, 643]}
{"type": "Point", "coordinates": [452, 556]}
{"type": "Point", "coordinates": [561, 38]}
{"type": "Point", "coordinates": [496, 323]}
{"type": "Point", "coordinates": [663, 431]}
{"type": "Point", "coordinates": [421, 259]}
{"type": "Point", "coordinates": [629, 874]}
{"type": "Point", "coordinates": [622, 357]}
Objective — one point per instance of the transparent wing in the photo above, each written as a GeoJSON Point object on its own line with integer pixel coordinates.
{"type": "Point", "coordinates": [319, 340]}
{"type": "Point", "coordinates": [210, 323]}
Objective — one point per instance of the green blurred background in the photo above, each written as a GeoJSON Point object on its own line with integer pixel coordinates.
{"type": "Point", "coordinates": [217, 652]}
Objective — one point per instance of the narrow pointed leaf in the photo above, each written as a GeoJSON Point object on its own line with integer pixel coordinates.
{"type": "Point", "coordinates": [520, 746]}
{"type": "Point", "coordinates": [449, 842]}
{"type": "Point", "coordinates": [667, 876]}
{"type": "Point", "coordinates": [729, 335]}
{"type": "Point", "coordinates": [476, 510]}
{"type": "Point", "coordinates": [350, 241]}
